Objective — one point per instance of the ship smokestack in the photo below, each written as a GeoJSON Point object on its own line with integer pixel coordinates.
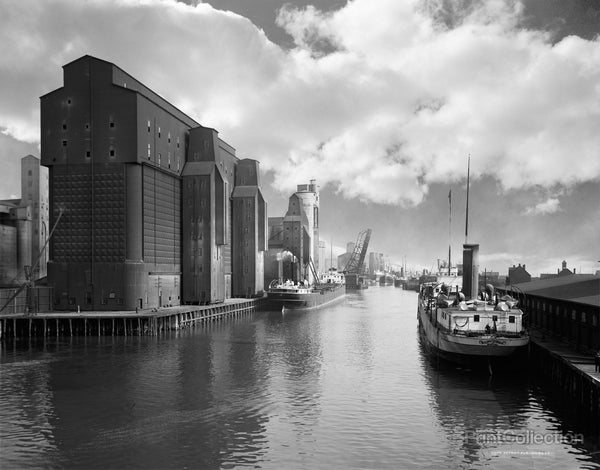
{"type": "Point", "coordinates": [470, 270]}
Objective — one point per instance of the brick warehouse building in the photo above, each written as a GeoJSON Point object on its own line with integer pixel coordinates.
{"type": "Point", "coordinates": [145, 193]}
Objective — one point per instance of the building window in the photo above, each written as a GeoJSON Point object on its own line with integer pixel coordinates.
{"type": "Point", "coordinates": [88, 154]}
{"type": "Point", "coordinates": [87, 126]}
{"type": "Point", "coordinates": [159, 132]}
{"type": "Point", "coordinates": [148, 126]}
{"type": "Point", "coordinates": [111, 122]}
{"type": "Point", "coordinates": [476, 318]}
{"type": "Point", "coordinates": [64, 143]}
{"type": "Point", "coordinates": [64, 126]}
{"type": "Point", "coordinates": [511, 319]}
{"type": "Point", "coordinates": [148, 151]}
{"type": "Point", "coordinates": [169, 137]}
{"type": "Point", "coordinates": [494, 317]}
{"type": "Point", "coordinates": [69, 101]}
{"type": "Point", "coordinates": [159, 158]}
{"type": "Point", "coordinates": [112, 152]}
{"type": "Point", "coordinates": [29, 172]}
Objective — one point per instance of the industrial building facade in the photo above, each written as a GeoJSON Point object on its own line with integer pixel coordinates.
{"type": "Point", "coordinates": [143, 193]}
{"type": "Point", "coordinates": [294, 239]}
{"type": "Point", "coordinates": [24, 227]}
{"type": "Point", "coordinates": [566, 307]}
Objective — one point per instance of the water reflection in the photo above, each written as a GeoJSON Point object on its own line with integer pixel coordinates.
{"type": "Point", "coordinates": [344, 387]}
{"type": "Point", "coordinates": [496, 420]}
{"type": "Point", "coordinates": [26, 433]}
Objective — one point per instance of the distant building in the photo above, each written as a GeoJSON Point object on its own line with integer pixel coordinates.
{"type": "Point", "coordinates": [564, 271]}
{"type": "Point", "coordinates": [24, 227]}
{"type": "Point", "coordinates": [145, 194]}
{"type": "Point", "coordinates": [9, 267]}
{"type": "Point", "coordinates": [376, 263]}
{"type": "Point", "coordinates": [517, 274]}
{"type": "Point", "coordinates": [294, 239]}
{"type": "Point", "coordinates": [34, 193]}
{"type": "Point", "coordinates": [342, 260]}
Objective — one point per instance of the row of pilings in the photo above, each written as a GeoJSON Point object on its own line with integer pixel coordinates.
{"type": "Point", "coordinates": [580, 387]}
{"type": "Point", "coordinates": [154, 322]}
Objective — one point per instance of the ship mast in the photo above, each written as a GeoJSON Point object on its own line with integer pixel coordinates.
{"type": "Point", "coordinates": [467, 216]}
{"type": "Point", "coordinates": [450, 232]}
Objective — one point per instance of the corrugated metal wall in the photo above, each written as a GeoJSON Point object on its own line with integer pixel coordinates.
{"type": "Point", "coordinates": [162, 218]}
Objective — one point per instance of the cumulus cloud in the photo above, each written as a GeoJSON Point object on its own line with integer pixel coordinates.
{"type": "Point", "coordinates": [378, 99]}
{"type": "Point", "coordinates": [549, 206]}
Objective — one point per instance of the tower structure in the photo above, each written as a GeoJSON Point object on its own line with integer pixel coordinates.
{"type": "Point", "coordinates": [34, 193]}
{"type": "Point", "coordinates": [249, 230]}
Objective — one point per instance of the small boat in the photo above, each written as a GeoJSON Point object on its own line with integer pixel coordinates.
{"type": "Point", "coordinates": [291, 295]}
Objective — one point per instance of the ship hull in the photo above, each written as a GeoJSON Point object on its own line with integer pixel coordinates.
{"type": "Point", "coordinates": [316, 298]}
{"type": "Point", "coordinates": [470, 350]}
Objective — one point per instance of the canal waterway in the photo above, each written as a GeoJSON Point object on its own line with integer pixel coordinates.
{"type": "Point", "coordinates": [347, 386]}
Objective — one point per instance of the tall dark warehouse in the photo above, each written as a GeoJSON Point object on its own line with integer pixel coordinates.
{"type": "Point", "coordinates": [143, 198]}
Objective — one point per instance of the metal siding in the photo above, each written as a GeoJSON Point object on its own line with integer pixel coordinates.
{"type": "Point", "coordinates": [162, 222]}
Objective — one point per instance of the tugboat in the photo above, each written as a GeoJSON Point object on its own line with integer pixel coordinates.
{"type": "Point", "coordinates": [458, 326]}
{"type": "Point", "coordinates": [301, 295]}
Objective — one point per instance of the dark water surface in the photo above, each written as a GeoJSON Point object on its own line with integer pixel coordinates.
{"type": "Point", "coordinates": [348, 386]}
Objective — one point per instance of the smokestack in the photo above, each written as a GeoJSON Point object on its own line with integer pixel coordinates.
{"type": "Point", "coordinates": [470, 270]}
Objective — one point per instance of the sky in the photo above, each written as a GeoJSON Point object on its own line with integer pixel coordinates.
{"type": "Point", "coordinates": [381, 102]}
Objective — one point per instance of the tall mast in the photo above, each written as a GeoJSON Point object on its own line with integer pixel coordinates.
{"type": "Point", "coordinates": [450, 231]}
{"type": "Point", "coordinates": [331, 254]}
{"type": "Point", "coordinates": [467, 217]}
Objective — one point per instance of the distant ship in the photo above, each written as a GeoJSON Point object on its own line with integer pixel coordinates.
{"type": "Point", "coordinates": [386, 279]}
{"type": "Point", "coordinates": [301, 295]}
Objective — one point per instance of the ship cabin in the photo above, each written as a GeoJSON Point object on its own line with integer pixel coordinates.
{"type": "Point", "coordinates": [449, 311]}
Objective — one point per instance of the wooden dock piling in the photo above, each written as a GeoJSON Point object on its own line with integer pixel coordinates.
{"type": "Point", "coordinates": [147, 322]}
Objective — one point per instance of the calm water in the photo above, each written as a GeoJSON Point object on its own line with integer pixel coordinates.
{"type": "Point", "coordinates": [344, 387]}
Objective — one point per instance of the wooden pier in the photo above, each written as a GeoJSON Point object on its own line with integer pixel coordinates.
{"type": "Point", "coordinates": [122, 323]}
{"type": "Point", "coordinates": [572, 371]}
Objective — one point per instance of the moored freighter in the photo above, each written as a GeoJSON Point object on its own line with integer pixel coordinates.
{"type": "Point", "coordinates": [470, 330]}
{"type": "Point", "coordinates": [301, 295]}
